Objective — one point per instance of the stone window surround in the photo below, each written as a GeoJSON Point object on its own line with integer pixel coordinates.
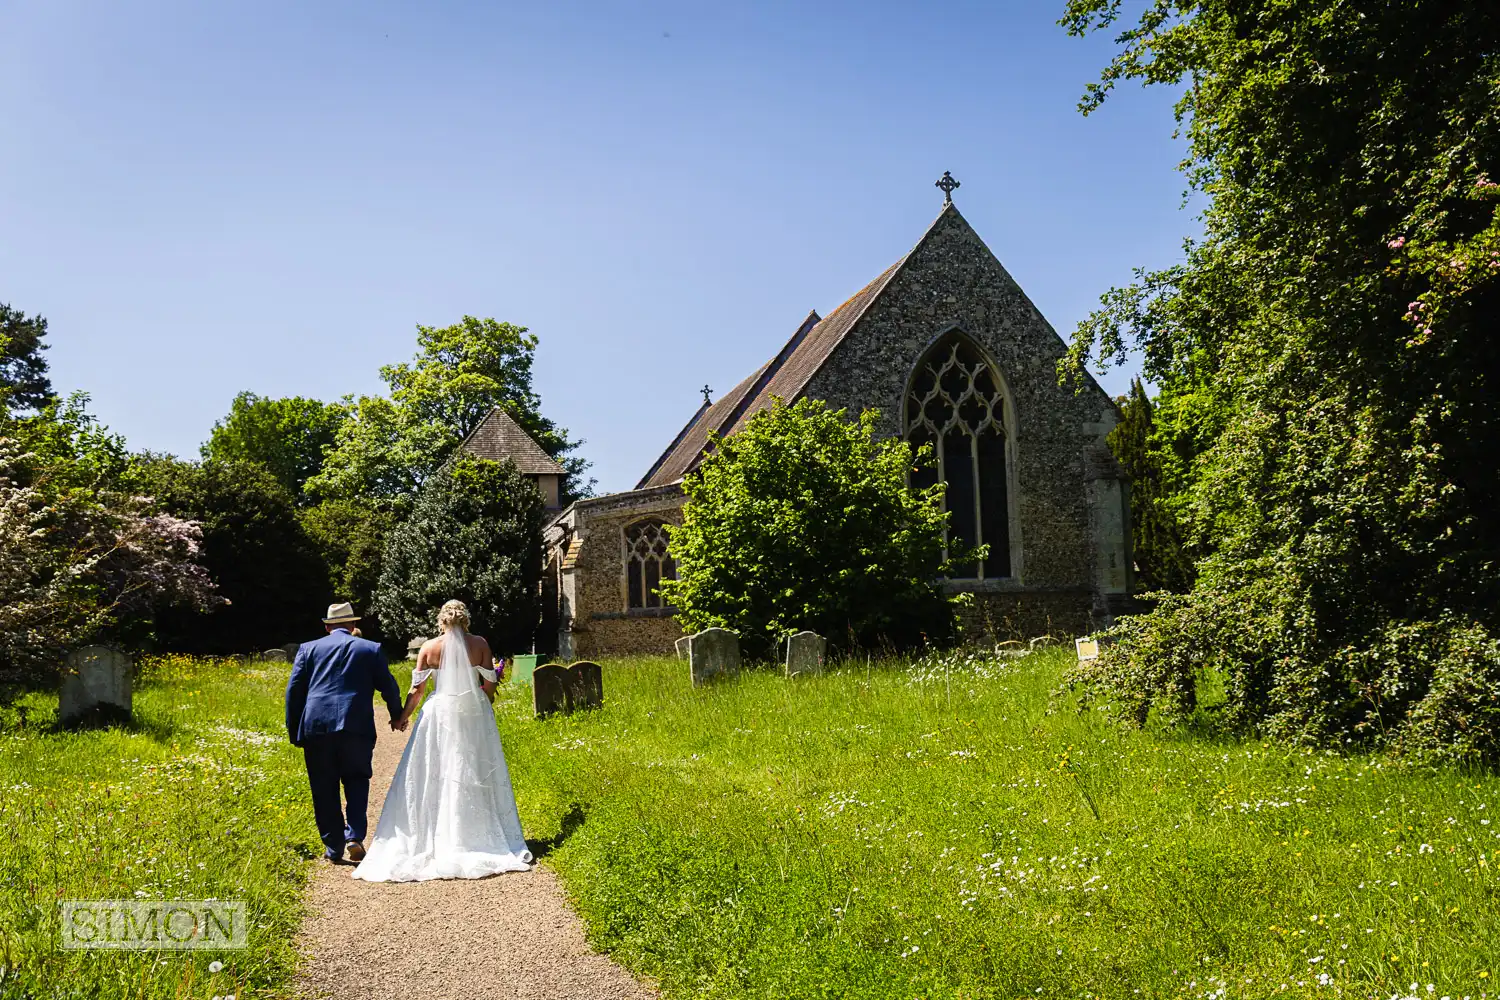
{"type": "Point", "coordinates": [627, 562]}
{"type": "Point", "coordinates": [1016, 578]}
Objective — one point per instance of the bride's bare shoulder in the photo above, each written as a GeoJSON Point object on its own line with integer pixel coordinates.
{"type": "Point", "coordinates": [431, 653]}
{"type": "Point", "coordinates": [478, 644]}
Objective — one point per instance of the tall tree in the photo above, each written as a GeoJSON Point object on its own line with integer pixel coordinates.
{"type": "Point", "coordinates": [1156, 541]}
{"type": "Point", "coordinates": [24, 384]}
{"type": "Point", "coordinates": [256, 550]}
{"type": "Point", "coordinates": [390, 446]}
{"type": "Point", "coordinates": [1340, 312]}
{"type": "Point", "coordinates": [351, 537]}
{"type": "Point", "coordinates": [288, 436]}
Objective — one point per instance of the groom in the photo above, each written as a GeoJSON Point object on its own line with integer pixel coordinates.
{"type": "Point", "coordinates": [330, 714]}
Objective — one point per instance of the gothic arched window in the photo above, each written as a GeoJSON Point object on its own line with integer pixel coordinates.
{"type": "Point", "coordinates": [956, 404]}
{"type": "Point", "coordinates": [647, 563]}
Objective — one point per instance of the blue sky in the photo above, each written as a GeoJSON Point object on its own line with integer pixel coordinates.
{"type": "Point", "coordinates": [205, 198]}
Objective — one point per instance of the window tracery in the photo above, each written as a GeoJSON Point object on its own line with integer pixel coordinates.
{"type": "Point", "coordinates": [647, 563]}
{"type": "Point", "coordinates": [955, 403]}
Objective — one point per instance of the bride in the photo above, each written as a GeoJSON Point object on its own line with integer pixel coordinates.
{"type": "Point", "coordinates": [450, 811]}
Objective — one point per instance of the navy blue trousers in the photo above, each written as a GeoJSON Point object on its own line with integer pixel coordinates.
{"type": "Point", "coordinates": [335, 759]}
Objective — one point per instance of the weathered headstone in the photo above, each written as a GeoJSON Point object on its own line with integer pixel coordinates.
{"type": "Point", "coordinates": [96, 682]}
{"type": "Point", "coordinates": [549, 690]}
{"type": "Point", "coordinates": [586, 688]}
{"type": "Point", "coordinates": [804, 653]}
{"type": "Point", "coordinates": [291, 649]}
{"type": "Point", "coordinates": [414, 647]}
{"type": "Point", "coordinates": [276, 655]}
{"type": "Point", "coordinates": [682, 646]}
{"type": "Point", "coordinates": [714, 652]}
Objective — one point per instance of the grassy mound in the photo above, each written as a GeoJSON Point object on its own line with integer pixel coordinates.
{"type": "Point", "coordinates": [937, 832]}
{"type": "Point", "coordinates": [199, 797]}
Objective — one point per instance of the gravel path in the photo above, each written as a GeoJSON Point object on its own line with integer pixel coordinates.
{"type": "Point", "coordinates": [508, 936]}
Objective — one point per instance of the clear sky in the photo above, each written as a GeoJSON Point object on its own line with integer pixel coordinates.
{"type": "Point", "coordinates": [209, 197]}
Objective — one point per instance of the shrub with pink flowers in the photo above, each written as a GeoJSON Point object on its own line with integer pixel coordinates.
{"type": "Point", "coordinates": [83, 565]}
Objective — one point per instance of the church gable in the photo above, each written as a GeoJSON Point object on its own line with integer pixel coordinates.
{"type": "Point", "coordinates": [949, 295]}
{"type": "Point", "coordinates": [951, 281]}
{"type": "Point", "coordinates": [952, 354]}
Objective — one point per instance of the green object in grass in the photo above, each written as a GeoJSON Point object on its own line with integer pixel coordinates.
{"type": "Point", "coordinates": [521, 667]}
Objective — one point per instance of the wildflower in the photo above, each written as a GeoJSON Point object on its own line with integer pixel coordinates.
{"type": "Point", "coordinates": [215, 966]}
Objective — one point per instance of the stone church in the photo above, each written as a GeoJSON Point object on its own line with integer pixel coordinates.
{"type": "Point", "coordinates": [950, 350]}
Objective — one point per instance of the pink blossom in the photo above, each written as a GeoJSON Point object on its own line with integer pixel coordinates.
{"type": "Point", "coordinates": [1397, 243]}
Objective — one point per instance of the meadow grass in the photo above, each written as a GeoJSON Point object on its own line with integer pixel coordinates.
{"type": "Point", "coordinates": [201, 797]}
{"type": "Point", "coordinates": [957, 833]}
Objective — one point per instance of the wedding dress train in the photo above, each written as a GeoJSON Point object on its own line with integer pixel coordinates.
{"type": "Point", "coordinates": [450, 811]}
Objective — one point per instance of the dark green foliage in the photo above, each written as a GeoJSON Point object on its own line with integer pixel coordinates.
{"type": "Point", "coordinates": [802, 520]}
{"type": "Point", "coordinates": [475, 535]}
{"type": "Point", "coordinates": [351, 537]}
{"type": "Point", "coordinates": [1337, 325]}
{"type": "Point", "coordinates": [23, 371]}
{"type": "Point", "coordinates": [1156, 540]}
{"type": "Point", "coordinates": [288, 436]}
{"type": "Point", "coordinates": [254, 548]}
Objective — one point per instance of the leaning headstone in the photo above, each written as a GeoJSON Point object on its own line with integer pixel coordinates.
{"type": "Point", "coordinates": [714, 652]}
{"type": "Point", "coordinates": [96, 682]}
{"type": "Point", "coordinates": [277, 655]}
{"type": "Point", "coordinates": [682, 646]}
{"type": "Point", "coordinates": [291, 649]}
{"type": "Point", "coordinates": [585, 685]}
{"type": "Point", "coordinates": [549, 690]}
{"type": "Point", "coordinates": [804, 653]}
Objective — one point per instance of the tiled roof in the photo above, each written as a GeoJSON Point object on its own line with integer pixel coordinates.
{"type": "Point", "coordinates": [684, 451]}
{"type": "Point", "coordinates": [499, 437]}
{"type": "Point", "coordinates": [783, 377]}
{"type": "Point", "coordinates": [790, 378]}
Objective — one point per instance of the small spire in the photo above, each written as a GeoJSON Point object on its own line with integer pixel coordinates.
{"type": "Point", "coordinates": [947, 183]}
{"type": "Point", "coordinates": [707, 399]}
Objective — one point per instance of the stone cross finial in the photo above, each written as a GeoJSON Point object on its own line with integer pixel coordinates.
{"type": "Point", "coordinates": [707, 400]}
{"type": "Point", "coordinates": [947, 183]}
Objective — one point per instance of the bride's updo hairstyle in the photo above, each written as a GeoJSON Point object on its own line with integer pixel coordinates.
{"type": "Point", "coordinates": [453, 614]}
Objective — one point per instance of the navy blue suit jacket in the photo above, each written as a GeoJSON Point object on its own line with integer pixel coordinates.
{"type": "Point", "coordinates": [332, 687]}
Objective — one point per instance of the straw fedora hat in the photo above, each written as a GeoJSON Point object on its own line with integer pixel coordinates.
{"type": "Point", "coordinates": [340, 614]}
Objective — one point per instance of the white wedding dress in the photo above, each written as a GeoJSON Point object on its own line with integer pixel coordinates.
{"type": "Point", "coordinates": [450, 811]}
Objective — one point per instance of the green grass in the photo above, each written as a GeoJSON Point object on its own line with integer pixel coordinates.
{"type": "Point", "coordinates": [200, 798]}
{"type": "Point", "coordinates": [886, 834]}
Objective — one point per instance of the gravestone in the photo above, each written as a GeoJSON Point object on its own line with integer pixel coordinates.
{"type": "Point", "coordinates": [586, 685]}
{"type": "Point", "coordinates": [291, 649]}
{"type": "Point", "coordinates": [549, 690]}
{"type": "Point", "coordinates": [712, 653]}
{"type": "Point", "coordinates": [1088, 649]}
{"type": "Point", "coordinates": [96, 682]}
{"type": "Point", "coordinates": [277, 655]}
{"type": "Point", "coordinates": [414, 647]}
{"type": "Point", "coordinates": [804, 653]}
{"type": "Point", "coordinates": [682, 646]}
